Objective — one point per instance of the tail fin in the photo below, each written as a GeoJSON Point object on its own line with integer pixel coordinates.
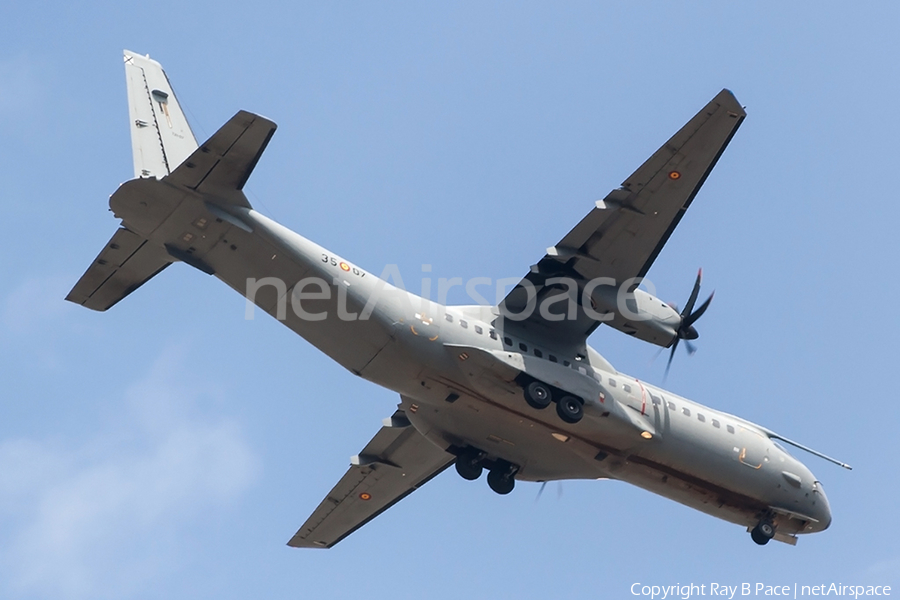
{"type": "Point", "coordinates": [160, 135]}
{"type": "Point", "coordinates": [162, 141]}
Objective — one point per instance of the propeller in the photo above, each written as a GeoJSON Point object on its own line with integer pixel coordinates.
{"type": "Point", "coordinates": [689, 316]}
{"type": "Point", "coordinates": [541, 491]}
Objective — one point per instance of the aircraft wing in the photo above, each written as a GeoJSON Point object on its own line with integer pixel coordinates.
{"type": "Point", "coordinates": [393, 465]}
{"type": "Point", "coordinates": [622, 235]}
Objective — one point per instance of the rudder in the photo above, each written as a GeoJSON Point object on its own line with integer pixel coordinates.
{"type": "Point", "coordinates": [160, 135]}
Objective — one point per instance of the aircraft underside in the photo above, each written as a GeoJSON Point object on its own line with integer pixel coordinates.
{"type": "Point", "coordinates": [519, 394]}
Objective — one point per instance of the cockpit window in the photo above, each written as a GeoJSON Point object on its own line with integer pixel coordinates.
{"type": "Point", "coordinates": [780, 447]}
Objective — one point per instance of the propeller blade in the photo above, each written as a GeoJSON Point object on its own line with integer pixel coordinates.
{"type": "Point", "coordinates": [699, 312]}
{"type": "Point", "coordinates": [540, 491]}
{"type": "Point", "coordinates": [689, 316]}
{"type": "Point", "coordinates": [655, 356]}
{"type": "Point", "coordinates": [671, 356]}
{"type": "Point", "coordinates": [694, 293]}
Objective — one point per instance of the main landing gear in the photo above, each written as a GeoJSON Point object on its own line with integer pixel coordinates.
{"type": "Point", "coordinates": [470, 463]}
{"type": "Point", "coordinates": [501, 478]}
{"type": "Point", "coordinates": [763, 532]}
{"type": "Point", "coordinates": [539, 395]}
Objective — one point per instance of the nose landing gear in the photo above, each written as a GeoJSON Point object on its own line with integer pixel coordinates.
{"type": "Point", "coordinates": [763, 532]}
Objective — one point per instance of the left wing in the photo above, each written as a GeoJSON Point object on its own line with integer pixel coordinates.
{"type": "Point", "coordinates": [622, 235]}
{"type": "Point", "coordinates": [393, 465]}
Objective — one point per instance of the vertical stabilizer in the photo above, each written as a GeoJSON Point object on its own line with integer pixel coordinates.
{"type": "Point", "coordinates": [160, 135]}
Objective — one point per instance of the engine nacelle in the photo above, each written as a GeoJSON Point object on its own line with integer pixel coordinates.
{"type": "Point", "coordinates": [637, 313]}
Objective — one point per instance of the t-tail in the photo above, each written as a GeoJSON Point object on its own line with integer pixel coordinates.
{"type": "Point", "coordinates": [168, 166]}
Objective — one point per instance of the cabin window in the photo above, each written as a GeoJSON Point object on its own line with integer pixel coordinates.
{"type": "Point", "coordinates": [612, 382]}
{"type": "Point", "coordinates": [523, 347]}
{"type": "Point", "coordinates": [582, 370]}
{"type": "Point", "coordinates": [538, 353]}
{"type": "Point", "coordinates": [449, 317]}
{"type": "Point", "coordinates": [715, 423]}
{"type": "Point", "coordinates": [493, 334]}
{"type": "Point", "coordinates": [729, 428]}
{"type": "Point", "coordinates": [701, 418]}
{"type": "Point", "coordinates": [479, 330]}
{"type": "Point", "coordinates": [686, 411]}
{"type": "Point", "coordinates": [463, 324]}
{"type": "Point", "coordinates": [671, 405]}
{"type": "Point", "coordinates": [566, 363]}
{"type": "Point", "coordinates": [552, 358]}
{"type": "Point", "coordinates": [655, 400]}
{"type": "Point", "coordinates": [507, 341]}
{"type": "Point", "coordinates": [626, 387]}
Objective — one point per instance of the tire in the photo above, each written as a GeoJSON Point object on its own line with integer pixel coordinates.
{"type": "Point", "coordinates": [500, 481]}
{"type": "Point", "coordinates": [538, 395]}
{"type": "Point", "coordinates": [762, 533]}
{"type": "Point", "coordinates": [468, 465]}
{"type": "Point", "coordinates": [570, 409]}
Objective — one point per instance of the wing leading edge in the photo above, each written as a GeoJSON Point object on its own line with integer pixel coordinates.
{"type": "Point", "coordinates": [623, 234]}
{"type": "Point", "coordinates": [393, 465]}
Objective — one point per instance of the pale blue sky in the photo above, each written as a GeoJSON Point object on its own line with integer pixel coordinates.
{"type": "Point", "coordinates": [170, 448]}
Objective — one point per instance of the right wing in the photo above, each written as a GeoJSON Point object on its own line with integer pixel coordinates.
{"type": "Point", "coordinates": [393, 465]}
{"type": "Point", "coordinates": [622, 235]}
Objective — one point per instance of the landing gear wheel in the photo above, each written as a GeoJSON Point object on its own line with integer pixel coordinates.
{"type": "Point", "coordinates": [538, 395]}
{"type": "Point", "coordinates": [762, 533]}
{"type": "Point", "coordinates": [501, 481]}
{"type": "Point", "coordinates": [468, 465]}
{"type": "Point", "coordinates": [570, 409]}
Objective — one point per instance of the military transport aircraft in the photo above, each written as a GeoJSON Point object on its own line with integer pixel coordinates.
{"type": "Point", "coordinates": [476, 383]}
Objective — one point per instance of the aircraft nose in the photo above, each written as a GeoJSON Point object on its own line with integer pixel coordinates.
{"type": "Point", "coordinates": [823, 509]}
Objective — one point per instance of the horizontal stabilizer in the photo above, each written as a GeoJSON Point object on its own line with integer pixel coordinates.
{"type": "Point", "coordinates": [222, 165]}
{"type": "Point", "coordinates": [123, 266]}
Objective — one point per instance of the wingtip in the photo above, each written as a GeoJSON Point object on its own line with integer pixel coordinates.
{"type": "Point", "coordinates": [727, 98]}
